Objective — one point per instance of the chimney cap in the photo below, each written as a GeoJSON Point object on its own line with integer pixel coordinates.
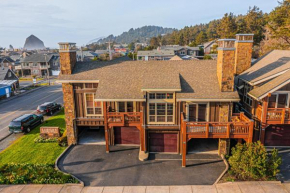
{"type": "Point", "coordinates": [66, 43]}
{"type": "Point", "coordinates": [226, 40]}
{"type": "Point", "coordinates": [245, 34]}
{"type": "Point", "coordinates": [67, 47]}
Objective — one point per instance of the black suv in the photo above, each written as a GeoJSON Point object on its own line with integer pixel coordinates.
{"type": "Point", "coordinates": [25, 123]}
{"type": "Point", "coordinates": [48, 108]}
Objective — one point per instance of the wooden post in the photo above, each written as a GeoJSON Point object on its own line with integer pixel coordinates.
{"type": "Point", "coordinates": [283, 116]}
{"type": "Point", "coordinates": [106, 126]}
{"type": "Point", "coordinates": [228, 130]}
{"type": "Point", "coordinates": [207, 130]}
{"type": "Point", "coordinates": [251, 132]}
{"type": "Point", "coordinates": [264, 119]}
{"type": "Point", "coordinates": [184, 141]}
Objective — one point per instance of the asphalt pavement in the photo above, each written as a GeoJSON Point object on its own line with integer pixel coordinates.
{"type": "Point", "coordinates": [27, 104]}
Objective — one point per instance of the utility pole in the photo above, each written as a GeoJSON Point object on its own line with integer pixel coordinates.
{"type": "Point", "coordinates": [47, 71]}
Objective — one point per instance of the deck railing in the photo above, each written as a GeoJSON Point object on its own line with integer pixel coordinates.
{"type": "Point", "coordinates": [240, 127]}
{"type": "Point", "coordinates": [123, 118]}
{"type": "Point", "coordinates": [280, 115]}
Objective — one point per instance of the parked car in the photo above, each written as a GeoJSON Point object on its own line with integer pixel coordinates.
{"type": "Point", "coordinates": [25, 123]}
{"type": "Point", "coordinates": [48, 108]}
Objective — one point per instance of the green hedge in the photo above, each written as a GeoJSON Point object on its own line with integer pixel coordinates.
{"type": "Point", "coordinates": [33, 174]}
{"type": "Point", "coordinates": [39, 139]}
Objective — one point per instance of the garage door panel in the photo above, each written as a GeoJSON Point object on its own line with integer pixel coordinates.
{"type": "Point", "coordinates": [127, 135]}
{"type": "Point", "coordinates": [277, 135]}
{"type": "Point", "coordinates": [163, 142]}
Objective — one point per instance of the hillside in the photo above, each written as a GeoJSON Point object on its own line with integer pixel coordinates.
{"type": "Point", "coordinates": [33, 43]}
{"type": "Point", "coordinates": [142, 34]}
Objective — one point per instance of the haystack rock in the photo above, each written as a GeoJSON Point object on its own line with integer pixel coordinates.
{"type": "Point", "coordinates": [33, 43]}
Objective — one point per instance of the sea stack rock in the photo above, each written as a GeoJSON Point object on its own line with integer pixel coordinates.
{"type": "Point", "coordinates": [33, 43]}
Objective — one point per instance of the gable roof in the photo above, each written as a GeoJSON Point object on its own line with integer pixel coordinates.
{"type": "Point", "coordinates": [267, 67]}
{"type": "Point", "coordinates": [121, 79]}
{"type": "Point", "coordinates": [7, 59]}
{"type": "Point", "coordinates": [3, 72]}
{"type": "Point", "coordinates": [38, 58]}
{"type": "Point", "coordinates": [271, 86]}
{"type": "Point", "coordinates": [175, 58]}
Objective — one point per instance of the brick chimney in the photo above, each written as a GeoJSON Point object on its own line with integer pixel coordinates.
{"type": "Point", "coordinates": [68, 57]}
{"type": "Point", "coordinates": [226, 64]}
{"type": "Point", "coordinates": [243, 45]}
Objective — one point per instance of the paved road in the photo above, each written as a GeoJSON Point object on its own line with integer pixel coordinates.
{"type": "Point", "coordinates": [121, 167]}
{"type": "Point", "coordinates": [27, 104]}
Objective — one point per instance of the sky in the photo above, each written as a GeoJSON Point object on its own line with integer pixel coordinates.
{"type": "Point", "coordinates": [80, 21]}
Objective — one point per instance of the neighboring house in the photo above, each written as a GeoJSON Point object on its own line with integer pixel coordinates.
{"type": "Point", "coordinates": [182, 50]}
{"type": "Point", "coordinates": [155, 55]}
{"type": "Point", "coordinates": [123, 51]}
{"type": "Point", "coordinates": [7, 62]}
{"type": "Point", "coordinates": [265, 95]}
{"type": "Point", "coordinates": [9, 82]}
{"type": "Point", "coordinates": [176, 58]}
{"type": "Point", "coordinates": [37, 64]}
{"type": "Point", "coordinates": [210, 47]}
{"type": "Point", "coordinates": [99, 52]}
{"type": "Point", "coordinates": [161, 106]}
{"type": "Point", "coordinates": [86, 55]}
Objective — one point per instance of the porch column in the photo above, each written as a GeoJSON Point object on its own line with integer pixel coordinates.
{"type": "Point", "coordinates": [224, 146]}
{"type": "Point", "coordinates": [184, 142]}
{"type": "Point", "coordinates": [141, 129]}
{"type": "Point", "coordinates": [106, 126]}
{"type": "Point", "coordinates": [264, 118]}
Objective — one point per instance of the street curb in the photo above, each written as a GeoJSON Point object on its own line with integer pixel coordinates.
{"type": "Point", "coordinates": [56, 166]}
{"type": "Point", "coordinates": [227, 168]}
{"type": "Point", "coordinates": [5, 137]}
{"type": "Point", "coordinates": [22, 94]}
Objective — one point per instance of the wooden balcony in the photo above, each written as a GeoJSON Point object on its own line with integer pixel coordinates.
{"type": "Point", "coordinates": [278, 116]}
{"type": "Point", "coordinates": [241, 127]}
{"type": "Point", "coordinates": [124, 118]}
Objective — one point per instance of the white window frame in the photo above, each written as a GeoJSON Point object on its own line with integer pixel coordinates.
{"type": "Point", "coordinates": [277, 96]}
{"type": "Point", "coordinates": [85, 100]}
{"type": "Point", "coordinates": [171, 101]}
{"type": "Point", "coordinates": [194, 103]}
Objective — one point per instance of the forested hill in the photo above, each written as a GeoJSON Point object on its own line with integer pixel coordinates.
{"type": "Point", "coordinates": [142, 34]}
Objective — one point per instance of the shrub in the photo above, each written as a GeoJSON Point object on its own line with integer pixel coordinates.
{"type": "Point", "coordinates": [39, 139]}
{"type": "Point", "coordinates": [33, 174]}
{"type": "Point", "coordinates": [207, 57]}
{"type": "Point", "coordinates": [250, 161]}
{"type": "Point", "coordinates": [62, 141]}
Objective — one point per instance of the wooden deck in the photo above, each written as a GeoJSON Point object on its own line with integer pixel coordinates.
{"type": "Point", "coordinates": [241, 127]}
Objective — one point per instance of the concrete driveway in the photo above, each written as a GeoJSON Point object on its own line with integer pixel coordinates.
{"type": "Point", "coordinates": [121, 167]}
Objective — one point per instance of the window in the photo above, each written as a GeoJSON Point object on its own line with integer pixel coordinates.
{"type": "Point", "coordinates": [125, 107]}
{"type": "Point", "coordinates": [91, 85]}
{"type": "Point", "coordinates": [247, 99]}
{"type": "Point", "coordinates": [93, 107]}
{"type": "Point", "coordinates": [151, 95]}
{"type": "Point", "coordinates": [197, 112]}
{"type": "Point", "coordinates": [160, 95]}
{"type": "Point", "coordinates": [161, 112]}
{"type": "Point", "coordinates": [278, 101]}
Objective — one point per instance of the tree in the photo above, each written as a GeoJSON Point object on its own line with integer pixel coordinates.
{"type": "Point", "coordinates": [227, 27]}
{"type": "Point", "coordinates": [201, 38]}
{"type": "Point", "coordinates": [279, 22]}
{"type": "Point", "coordinates": [131, 46]}
{"type": "Point", "coordinates": [154, 42]}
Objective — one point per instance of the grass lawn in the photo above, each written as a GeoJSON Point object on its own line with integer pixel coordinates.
{"type": "Point", "coordinates": [25, 150]}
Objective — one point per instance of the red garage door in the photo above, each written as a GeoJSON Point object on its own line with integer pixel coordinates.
{"type": "Point", "coordinates": [278, 135]}
{"type": "Point", "coordinates": [162, 142]}
{"type": "Point", "coordinates": [127, 135]}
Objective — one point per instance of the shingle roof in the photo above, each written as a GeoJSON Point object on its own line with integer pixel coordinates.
{"type": "Point", "coordinates": [3, 72]}
{"type": "Point", "coordinates": [177, 47]}
{"type": "Point", "coordinates": [273, 63]}
{"type": "Point", "coordinates": [6, 58]}
{"type": "Point", "coordinates": [175, 58]}
{"type": "Point", "coordinates": [270, 86]}
{"type": "Point", "coordinates": [38, 58]}
{"type": "Point", "coordinates": [156, 53]}
{"type": "Point", "coordinates": [124, 79]}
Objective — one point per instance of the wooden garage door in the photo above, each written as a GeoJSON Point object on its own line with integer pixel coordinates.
{"type": "Point", "coordinates": [127, 135]}
{"type": "Point", "coordinates": [162, 142]}
{"type": "Point", "coordinates": [277, 135]}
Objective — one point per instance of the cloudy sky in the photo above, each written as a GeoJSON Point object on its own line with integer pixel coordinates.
{"type": "Point", "coordinates": [83, 20]}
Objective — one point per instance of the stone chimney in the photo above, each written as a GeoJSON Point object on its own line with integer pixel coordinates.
{"type": "Point", "coordinates": [226, 64]}
{"type": "Point", "coordinates": [243, 45]}
{"type": "Point", "coordinates": [68, 57]}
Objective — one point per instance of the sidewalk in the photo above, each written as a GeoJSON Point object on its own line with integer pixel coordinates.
{"type": "Point", "coordinates": [230, 187]}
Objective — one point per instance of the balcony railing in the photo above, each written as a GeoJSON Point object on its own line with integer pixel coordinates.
{"type": "Point", "coordinates": [278, 115]}
{"type": "Point", "coordinates": [124, 118]}
{"type": "Point", "coordinates": [240, 127]}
